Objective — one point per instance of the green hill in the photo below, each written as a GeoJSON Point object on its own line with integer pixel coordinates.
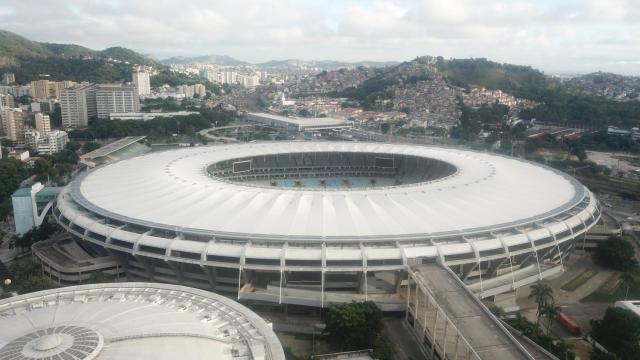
{"type": "Point", "coordinates": [14, 47]}
{"type": "Point", "coordinates": [127, 55]}
{"type": "Point", "coordinates": [30, 60]}
{"type": "Point", "coordinates": [69, 50]}
{"type": "Point", "coordinates": [521, 81]}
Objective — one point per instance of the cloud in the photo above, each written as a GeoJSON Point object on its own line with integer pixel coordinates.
{"type": "Point", "coordinates": [555, 36]}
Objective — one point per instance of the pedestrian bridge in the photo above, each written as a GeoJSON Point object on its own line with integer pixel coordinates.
{"type": "Point", "coordinates": [452, 323]}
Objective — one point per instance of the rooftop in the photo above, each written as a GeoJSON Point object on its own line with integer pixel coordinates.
{"type": "Point", "coordinates": [112, 147]}
{"type": "Point", "coordinates": [22, 192]}
{"type": "Point", "coordinates": [303, 122]}
{"type": "Point", "coordinates": [172, 189]}
{"type": "Point", "coordinates": [132, 321]}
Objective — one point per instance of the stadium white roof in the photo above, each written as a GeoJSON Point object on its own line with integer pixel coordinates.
{"type": "Point", "coordinates": [173, 190]}
{"type": "Point", "coordinates": [132, 321]}
{"type": "Point", "coordinates": [300, 122]}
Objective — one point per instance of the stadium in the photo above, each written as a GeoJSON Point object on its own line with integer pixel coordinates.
{"type": "Point", "coordinates": [132, 321]}
{"type": "Point", "coordinates": [310, 223]}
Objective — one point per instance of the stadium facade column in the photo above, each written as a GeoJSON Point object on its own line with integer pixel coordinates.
{"type": "Point", "coordinates": [177, 269]}
{"type": "Point", "coordinates": [397, 281]}
{"type": "Point", "coordinates": [148, 267]}
{"type": "Point", "coordinates": [121, 260]}
{"type": "Point", "coordinates": [211, 274]}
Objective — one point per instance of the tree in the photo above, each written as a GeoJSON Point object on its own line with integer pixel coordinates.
{"type": "Point", "coordinates": [90, 146]}
{"type": "Point", "coordinates": [599, 355]}
{"type": "Point", "coordinates": [618, 332]}
{"type": "Point", "coordinates": [73, 146]}
{"type": "Point", "coordinates": [354, 326]}
{"type": "Point", "coordinates": [616, 253]}
{"type": "Point", "coordinates": [551, 312]}
{"type": "Point", "coordinates": [24, 100]}
{"type": "Point", "coordinates": [626, 280]}
{"type": "Point", "coordinates": [543, 295]}
{"type": "Point", "coordinates": [28, 278]}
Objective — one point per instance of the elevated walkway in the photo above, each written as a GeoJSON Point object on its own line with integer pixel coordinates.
{"type": "Point", "coordinates": [453, 323]}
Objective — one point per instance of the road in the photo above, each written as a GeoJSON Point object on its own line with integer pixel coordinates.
{"type": "Point", "coordinates": [399, 335]}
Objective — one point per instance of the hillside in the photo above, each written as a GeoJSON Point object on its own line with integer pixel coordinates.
{"type": "Point", "coordinates": [612, 86]}
{"type": "Point", "coordinates": [431, 83]}
{"type": "Point", "coordinates": [30, 59]}
{"type": "Point", "coordinates": [328, 65]}
{"type": "Point", "coordinates": [520, 81]}
{"type": "Point", "coordinates": [288, 64]}
{"type": "Point", "coordinates": [224, 60]}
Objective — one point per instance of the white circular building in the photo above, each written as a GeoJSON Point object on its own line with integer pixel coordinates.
{"type": "Point", "coordinates": [132, 321]}
{"type": "Point", "coordinates": [314, 222]}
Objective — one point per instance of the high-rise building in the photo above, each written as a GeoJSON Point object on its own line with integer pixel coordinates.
{"type": "Point", "coordinates": [229, 77]}
{"type": "Point", "coordinates": [209, 75]}
{"type": "Point", "coordinates": [116, 98]}
{"type": "Point", "coordinates": [77, 105]}
{"type": "Point", "coordinates": [7, 101]}
{"type": "Point", "coordinates": [31, 138]}
{"type": "Point", "coordinates": [55, 88]}
{"type": "Point", "coordinates": [8, 78]}
{"type": "Point", "coordinates": [248, 80]}
{"type": "Point", "coordinates": [40, 89]}
{"type": "Point", "coordinates": [13, 125]}
{"type": "Point", "coordinates": [200, 89]}
{"type": "Point", "coordinates": [53, 142]}
{"type": "Point", "coordinates": [15, 90]}
{"type": "Point", "coordinates": [186, 90]}
{"type": "Point", "coordinates": [43, 89]}
{"type": "Point", "coordinates": [142, 83]}
{"type": "Point", "coordinates": [43, 124]}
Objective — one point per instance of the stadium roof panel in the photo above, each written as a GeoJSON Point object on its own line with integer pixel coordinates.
{"type": "Point", "coordinates": [173, 190]}
{"type": "Point", "coordinates": [300, 122]}
{"type": "Point", "coordinates": [112, 147]}
{"type": "Point", "coordinates": [132, 321]}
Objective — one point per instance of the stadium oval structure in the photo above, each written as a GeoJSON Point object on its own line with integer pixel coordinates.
{"type": "Point", "coordinates": [308, 222]}
{"type": "Point", "coordinates": [132, 321]}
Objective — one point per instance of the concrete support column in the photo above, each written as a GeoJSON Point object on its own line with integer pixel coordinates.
{"type": "Point", "coordinates": [406, 315]}
{"type": "Point", "coordinates": [397, 281]}
{"type": "Point", "coordinates": [417, 312]}
{"type": "Point", "coordinates": [121, 261]}
{"type": "Point", "coordinates": [362, 283]}
{"type": "Point", "coordinates": [434, 335]}
{"type": "Point", "coordinates": [444, 340]}
{"type": "Point", "coordinates": [148, 267]}
{"type": "Point", "coordinates": [210, 273]}
{"type": "Point", "coordinates": [177, 269]}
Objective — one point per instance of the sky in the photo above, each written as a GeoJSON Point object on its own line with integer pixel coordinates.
{"type": "Point", "coordinates": [556, 36]}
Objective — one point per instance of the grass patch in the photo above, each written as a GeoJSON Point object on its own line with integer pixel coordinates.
{"type": "Point", "coordinates": [614, 290]}
{"type": "Point", "coordinates": [632, 160]}
{"type": "Point", "coordinates": [578, 281]}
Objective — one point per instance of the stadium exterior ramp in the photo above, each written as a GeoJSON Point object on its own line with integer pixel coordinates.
{"type": "Point", "coordinates": [451, 323]}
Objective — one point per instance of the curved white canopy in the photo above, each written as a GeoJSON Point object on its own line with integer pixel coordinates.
{"type": "Point", "coordinates": [173, 189]}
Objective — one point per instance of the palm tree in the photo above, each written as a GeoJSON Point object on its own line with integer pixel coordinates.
{"type": "Point", "coordinates": [626, 280]}
{"type": "Point", "coordinates": [543, 295]}
{"type": "Point", "coordinates": [551, 312]}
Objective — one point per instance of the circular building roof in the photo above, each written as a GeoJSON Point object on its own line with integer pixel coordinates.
{"type": "Point", "coordinates": [201, 190]}
{"type": "Point", "coordinates": [132, 321]}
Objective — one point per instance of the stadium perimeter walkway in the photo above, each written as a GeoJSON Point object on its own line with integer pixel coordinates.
{"type": "Point", "coordinates": [484, 333]}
